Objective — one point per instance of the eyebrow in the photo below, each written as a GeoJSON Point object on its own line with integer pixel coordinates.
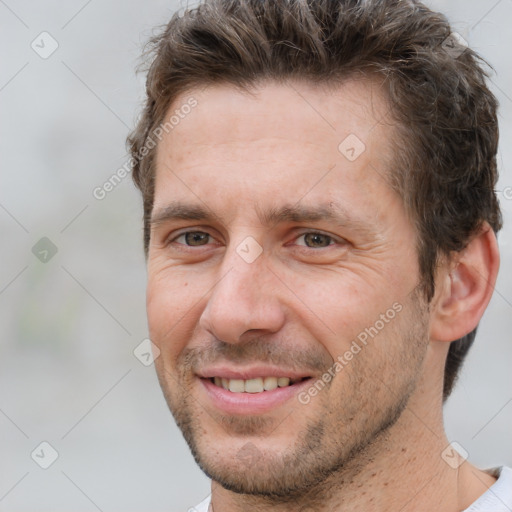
{"type": "Point", "coordinates": [288, 213]}
{"type": "Point", "coordinates": [180, 211]}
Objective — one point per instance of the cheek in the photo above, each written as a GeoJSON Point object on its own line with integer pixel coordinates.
{"type": "Point", "coordinates": [172, 301]}
{"type": "Point", "coordinates": [336, 309]}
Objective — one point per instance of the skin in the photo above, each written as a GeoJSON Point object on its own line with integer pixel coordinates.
{"type": "Point", "coordinates": [372, 438]}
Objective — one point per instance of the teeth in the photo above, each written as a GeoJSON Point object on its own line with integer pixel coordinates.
{"type": "Point", "coordinates": [256, 385]}
{"type": "Point", "coordinates": [269, 383]}
{"type": "Point", "coordinates": [282, 382]}
{"type": "Point", "coordinates": [236, 385]}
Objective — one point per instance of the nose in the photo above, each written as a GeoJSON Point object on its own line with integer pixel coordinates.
{"type": "Point", "coordinates": [243, 299]}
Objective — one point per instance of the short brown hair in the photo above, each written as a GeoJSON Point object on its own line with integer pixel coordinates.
{"type": "Point", "coordinates": [445, 155]}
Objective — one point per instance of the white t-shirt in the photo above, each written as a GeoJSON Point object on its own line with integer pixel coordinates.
{"type": "Point", "coordinates": [202, 507]}
{"type": "Point", "coordinates": [498, 498]}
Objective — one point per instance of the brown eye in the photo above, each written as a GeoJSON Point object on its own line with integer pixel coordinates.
{"type": "Point", "coordinates": [315, 240]}
{"type": "Point", "coordinates": [194, 238]}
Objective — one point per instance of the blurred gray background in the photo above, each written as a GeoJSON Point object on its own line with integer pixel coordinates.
{"type": "Point", "coordinates": [70, 321]}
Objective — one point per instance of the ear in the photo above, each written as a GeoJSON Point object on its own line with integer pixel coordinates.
{"type": "Point", "coordinates": [465, 286]}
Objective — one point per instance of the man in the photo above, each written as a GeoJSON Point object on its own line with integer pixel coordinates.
{"type": "Point", "coordinates": [320, 229]}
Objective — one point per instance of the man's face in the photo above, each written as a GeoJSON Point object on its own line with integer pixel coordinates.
{"type": "Point", "coordinates": [302, 255]}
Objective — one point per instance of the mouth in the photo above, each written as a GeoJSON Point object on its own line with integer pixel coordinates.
{"type": "Point", "coordinates": [250, 391]}
{"type": "Point", "coordinates": [255, 385]}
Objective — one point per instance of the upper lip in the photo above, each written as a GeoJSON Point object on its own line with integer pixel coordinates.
{"type": "Point", "coordinates": [253, 372]}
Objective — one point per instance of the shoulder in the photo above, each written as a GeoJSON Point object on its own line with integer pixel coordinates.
{"type": "Point", "coordinates": [201, 507]}
{"type": "Point", "coordinates": [498, 498]}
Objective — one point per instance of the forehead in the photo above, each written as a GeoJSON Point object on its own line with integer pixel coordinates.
{"type": "Point", "coordinates": [280, 140]}
{"type": "Point", "coordinates": [296, 110]}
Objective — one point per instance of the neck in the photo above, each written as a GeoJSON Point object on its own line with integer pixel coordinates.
{"type": "Point", "coordinates": [402, 470]}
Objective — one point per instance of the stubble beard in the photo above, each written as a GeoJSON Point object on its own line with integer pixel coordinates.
{"type": "Point", "coordinates": [345, 434]}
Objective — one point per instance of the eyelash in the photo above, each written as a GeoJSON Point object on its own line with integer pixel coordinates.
{"type": "Point", "coordinates": [184, 233]}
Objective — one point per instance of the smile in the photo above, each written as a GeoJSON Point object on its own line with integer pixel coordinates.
{"type": "Point", "coordinates": [256, 385]}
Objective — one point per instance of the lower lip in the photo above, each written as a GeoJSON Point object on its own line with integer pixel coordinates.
{"type": "Point", "coordinates": [250, 403]}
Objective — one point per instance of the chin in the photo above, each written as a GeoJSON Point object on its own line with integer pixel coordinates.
{"type": "Point", "coordinates": [261, 466]}
{"type": "Point", "coordinates": [265, 478]}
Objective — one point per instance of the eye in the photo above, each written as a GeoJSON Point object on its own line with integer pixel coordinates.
{"type": "Point", "coordinates": [192, 238]}
{"type": "Point", "coordinates": [315, 240]}
{"type": "Point", "coordinates": [310, 239]}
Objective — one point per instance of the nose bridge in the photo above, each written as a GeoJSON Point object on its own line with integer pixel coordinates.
{"type": "Point", "coordinates": [244, 266]}
{"type": "Point", "coordinates": [244, 297]}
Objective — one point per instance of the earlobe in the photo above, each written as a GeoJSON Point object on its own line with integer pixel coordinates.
{"type": "Point", "coordinates": [465, 287]}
